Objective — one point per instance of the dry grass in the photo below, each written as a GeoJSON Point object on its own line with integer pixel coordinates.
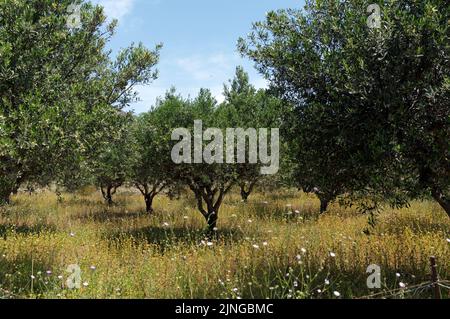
{"type": "Point", "coordinates": [275, 246]}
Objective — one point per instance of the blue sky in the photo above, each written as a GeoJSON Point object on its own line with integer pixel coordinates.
{"type": "Point", "coordinates": [199, 38]}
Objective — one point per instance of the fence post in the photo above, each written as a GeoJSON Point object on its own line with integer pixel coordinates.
{"type": "Point", "coordinates": [435, 278]}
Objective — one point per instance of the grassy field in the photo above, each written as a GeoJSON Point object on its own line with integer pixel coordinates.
{"type": "Point", "coordinates": [275, 246]}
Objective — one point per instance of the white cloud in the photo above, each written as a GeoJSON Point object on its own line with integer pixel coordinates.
{"type": "Point", "coordinates": [204, 68]}
{"type": "Point", "coordinates": [116, 9]}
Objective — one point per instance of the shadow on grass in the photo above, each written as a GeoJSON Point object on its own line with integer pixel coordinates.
{"type": "Point", "coordinates": [166, 238]}
{"type": "Point", "coordinates": [24, 277]}
{"type": "Point", "coordinates": [283, 213]}
{"type": "Point", "coordinates": [306, 281]}
{"type": "Point", "coordinates": [10, 229]}
{"type": "Point", "coordinates": [110, 215]}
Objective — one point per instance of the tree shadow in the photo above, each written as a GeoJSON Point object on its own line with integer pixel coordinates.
{"type": "Point", "coordinates": [110, 216]}
{"type": "Point", "coordinates": [166, 238]}
{"type": "Point", "coordinates": [285, 213]}
{"type": "Point", "coordinates": [8, 229]}
{"type": "Point", "coordinates": [25, 277]}
{"type": "Point", "coordinates": [314, 281]}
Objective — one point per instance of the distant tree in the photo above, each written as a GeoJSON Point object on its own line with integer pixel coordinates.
{"type": "Point", "coordinates": [247, 108]}
{"type": "Point", "coordinates": [373, 102]}
{"type": "Point", "coordinates": [209, 182]}
{"type": "Point", "coordinates": [112, 167]}
{"type": "Point", "coordinates": [58, 87]}
{"type": "Point", "coordinates": [152, 167]}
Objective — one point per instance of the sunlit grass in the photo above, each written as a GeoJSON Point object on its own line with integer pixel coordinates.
{"type": "Point", "coordinates": [275, 246]}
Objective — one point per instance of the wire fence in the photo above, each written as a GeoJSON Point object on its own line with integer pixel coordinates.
{"type": "Point", "coordinates": [416, 290]}
{"type": "Point", "coordinates": [435, 285]}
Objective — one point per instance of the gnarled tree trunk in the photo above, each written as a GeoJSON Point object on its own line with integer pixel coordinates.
{"type": "Point", "coordinates": [245, 193]}
{"type": "Point", "coordinates": [108, 192]}
{"type": "Point", "coordinates": [324, 205]}
{"type": "Point", "coordinates": [442, 200]}
{"type": "Point", "coordinates": [150, 192]}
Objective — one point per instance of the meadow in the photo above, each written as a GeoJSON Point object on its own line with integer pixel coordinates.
{"type": "Point", "coordinates": [274, 246]}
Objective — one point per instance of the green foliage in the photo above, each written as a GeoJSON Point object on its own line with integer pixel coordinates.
{"type": "Point", "coordinates": [58, 89]}
{"type": "Point", "coordinates": [371, 105]}
{"type": "Point", "coordinates": [152, 166]}
{"type": "Point", "coordinates": [245, 107]}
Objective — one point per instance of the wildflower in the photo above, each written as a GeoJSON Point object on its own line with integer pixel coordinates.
{"type": "Point", "coordinates": [319, 291]}
{"type": "Point", "coordinates": [256, 246]}
{"type": "Point", "coordinates": [296, 283]}
{"type": "Point", "coordinates": [209, 244]}
{"type": "Point", "coordinates": [337, 294]}
{"type": "Point", "coordinates": [303, 250]}
{"type": "Point", "coordinates": [297, 211]}
{"type": "Point", "coordinates": [250, 221]}
{"type": "Point", "coordinates": [235, 290]}
{"type": "Point", "coordinates": [265, 243]}
{"type": "Point", "coordinates": [60, 277]}
{"type": "Point", "coordinates": [186, 218]}
{"type": "Point", "coordinates": [85, 284]}
{"type": "Point", "coordinates": [93, 268]}
{"type": "Point", "coordinates": [327, 282]}
{"type": "Point", "coordinates": [72, 234]}
{"type": "Point", "coordinates": [166, 224]}
{"type": "Point", "coordinates": [397, 275]}
{"type": "Point", "coordinates": [49, 272]}
{"type": "Point", "coordinates": [332, 255]}
{"type": "Point", "coordinates": [215, 229]}
{"type": "Point", "coordinates": [448, 240]}
{"type": "Point", "coordinates": [298, 257]}
{"type": "Point", "coordinates": [33, 277]}
{"type": "Point", "coordinates": [402, 285]}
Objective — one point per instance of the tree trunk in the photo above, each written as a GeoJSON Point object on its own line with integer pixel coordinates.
{"type": "Point", "coordinates": [324, 205]}
{"type": "Point", "coordinates": [443, 201]}
{"type": "Point", "coordinates": [149, 203]}
{"type": "Point", "coordinates": [107, 195]}
{"type": "Point", "coordinates": [109, 199]}
{"type": "Point", "coordinates": [244, 195]}
{"type": "Point", "coordinates": [15, 190]}
{"type": "Point", "coordinates": [211, 219]}
{"type": "Point", "coordinates": [5, 197]}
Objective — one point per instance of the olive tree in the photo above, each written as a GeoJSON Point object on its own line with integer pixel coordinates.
{"type": "Point", "coordinates": [371, 98]}
{"type": "Point", "coordinates": [58, 87]}
{"type": "Point", "coordinates": [152, 169]}
{"type": "Point", "coordinates": [249, 109]}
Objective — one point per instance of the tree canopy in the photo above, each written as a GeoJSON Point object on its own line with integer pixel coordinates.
{"type": "Point", "coordinates": [371, 104]}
